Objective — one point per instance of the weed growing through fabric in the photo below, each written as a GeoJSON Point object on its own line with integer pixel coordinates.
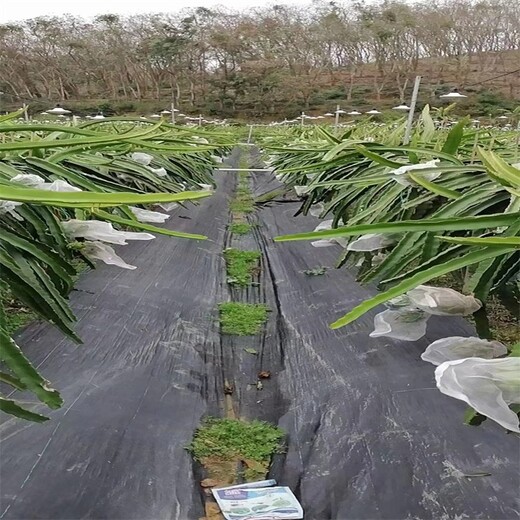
{"type": "Point", "coordinates": [241, 265]}
{"type": "Point", "coordinates": [243, 202]}
{"type": "Point", "coordinates": [253, 442]}
{"type": "Point", "coordinates": [242, 205]}
{"type": "Point", "coordinates": [240, 228]}
{"type": "Point", "coordinates": [242, 319]}
{"type": "Point", "coordinates": [243, 193]}
{"type": "Point", "coordinates": [244, 161]}
{"type": "Point", "coordinates": [317, 271]}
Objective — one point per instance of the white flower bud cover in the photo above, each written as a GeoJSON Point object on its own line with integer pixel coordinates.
{"type": "Point", "coordinates": [9, 206]}
{"type": "Point", "coordinates": [142, 158]}
{"type": "Point", "coordinates": [301, 190]}
{"type": "Point", "coordinates": [160, 172]}
{"type": "Point", "coordinates": [58, 185]}
{"type": "Point", "coordinates": [326, 224]}
{"type": "Point", "coordinates": [406, 324]}
{"type": "Point", "coordinates": [168, 206]}
{"type": "Point", "coordinates": [317, 209]}
{"type": "Point", "coordinates": [145, 215]}
{"type": "Point", "coordinates": [401, 174]}
{"type": "Point", "coordinates": [378, 259]}
{"type": "Point", "coordinates": [457, 347]}
{"type": "Point", "coordinates": [487, 385]}
{"type": "Point", "coordinates": [105, 253]}
{"type": "Point", "coordinates": [327, 242]}
{"type": "Point", "coordinates": [323, 243]}
{"type": "Point", "coordinates": [98, 230]}
{"type": "Point", "coordinates": [443, 301]}
{"type": "Point", "coordinates": [371, 242]}
{"type": "Point", "coordinates": [28, 179]}
{"type": "Point", "coordinates": [398, 302]}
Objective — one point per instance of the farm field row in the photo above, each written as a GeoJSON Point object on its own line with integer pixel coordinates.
{"type": "Point", "coordinates": [430, 229]}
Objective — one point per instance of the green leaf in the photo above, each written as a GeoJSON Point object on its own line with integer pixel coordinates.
{"type": "Point", "coordinates": [515, 350]}
{"type": "Point", "coordinates": [377, 158]}
{"type": "Point", "coordinates": [486, 272]}
{"type": "Point", "coordinates": [8, 170]}
{"type": "Point", "coordinates": [32, 288]}
{"type": "Point", "coordinates": [422, 151]}
{"type": "Point", "coordinates": [361, 182]}
{"type": "Point", "coordinates": [25, 145]}
{"type": "Point", "coordinates": [428, 125]}
{"type": "Point", "coordinates": [440, 258]}
{"type": "Point", "coordinates": [146, 227]}
{"type": "Point", "coordinates": [12, 115]}
{"type": "Point", "coordinates": [71, 176]}
{"type": "Point", "coordinates": [432, 224]}
{"type": "Point", "coordinates": [473, 418]}
{"type": "Point", "coordinates": [434, 188]}
{"type": "Point", "coordinates": [12, 381]}
{"type": "Point", "coordinates": [499, 169]}
{"type": "Point", "coordinates": [484, 241]}
{"type": "Point", "coordinates": [11, 407]}
{"type": "Point", "coordinates": [418, 279]}
{"type": "Point", "coordinates": [41, 252]}
{"type": "Point", "coordinates": [455, 137]}
{"type": "Point", "coordinates": [88, 199]}
{"type": "Point", "coordinates": [406, 251]}
{"type": "Point", "coordinates": [13, 357]}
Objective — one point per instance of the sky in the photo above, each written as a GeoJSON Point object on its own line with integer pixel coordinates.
{"type": "Point", "coordinates": [16, 10]}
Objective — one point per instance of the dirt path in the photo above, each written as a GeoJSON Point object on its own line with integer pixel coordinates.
{"type": "Point", "coordinates": [368, 435]}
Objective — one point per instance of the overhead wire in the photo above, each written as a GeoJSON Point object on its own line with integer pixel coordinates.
{"type": "Point", "coordinates": [495, 77]}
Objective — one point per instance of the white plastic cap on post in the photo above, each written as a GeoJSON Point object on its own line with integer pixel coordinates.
{"type": "Point", "coordinates": [57, 111]}
{"type": "Point", "coordinates": [454, 94]}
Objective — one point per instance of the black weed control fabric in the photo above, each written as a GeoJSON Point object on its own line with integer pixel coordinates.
{"type": "Point", "coordinates": [368, 435]}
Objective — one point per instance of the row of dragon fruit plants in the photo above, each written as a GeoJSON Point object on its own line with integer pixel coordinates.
{"type": "Point", "coordinates": [435, 224]}
{"type": "Point", "coordinates": [68, 194]}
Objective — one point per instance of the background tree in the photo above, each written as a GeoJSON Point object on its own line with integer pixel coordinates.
{"type": "Point", "coordinates": [275, 60]}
